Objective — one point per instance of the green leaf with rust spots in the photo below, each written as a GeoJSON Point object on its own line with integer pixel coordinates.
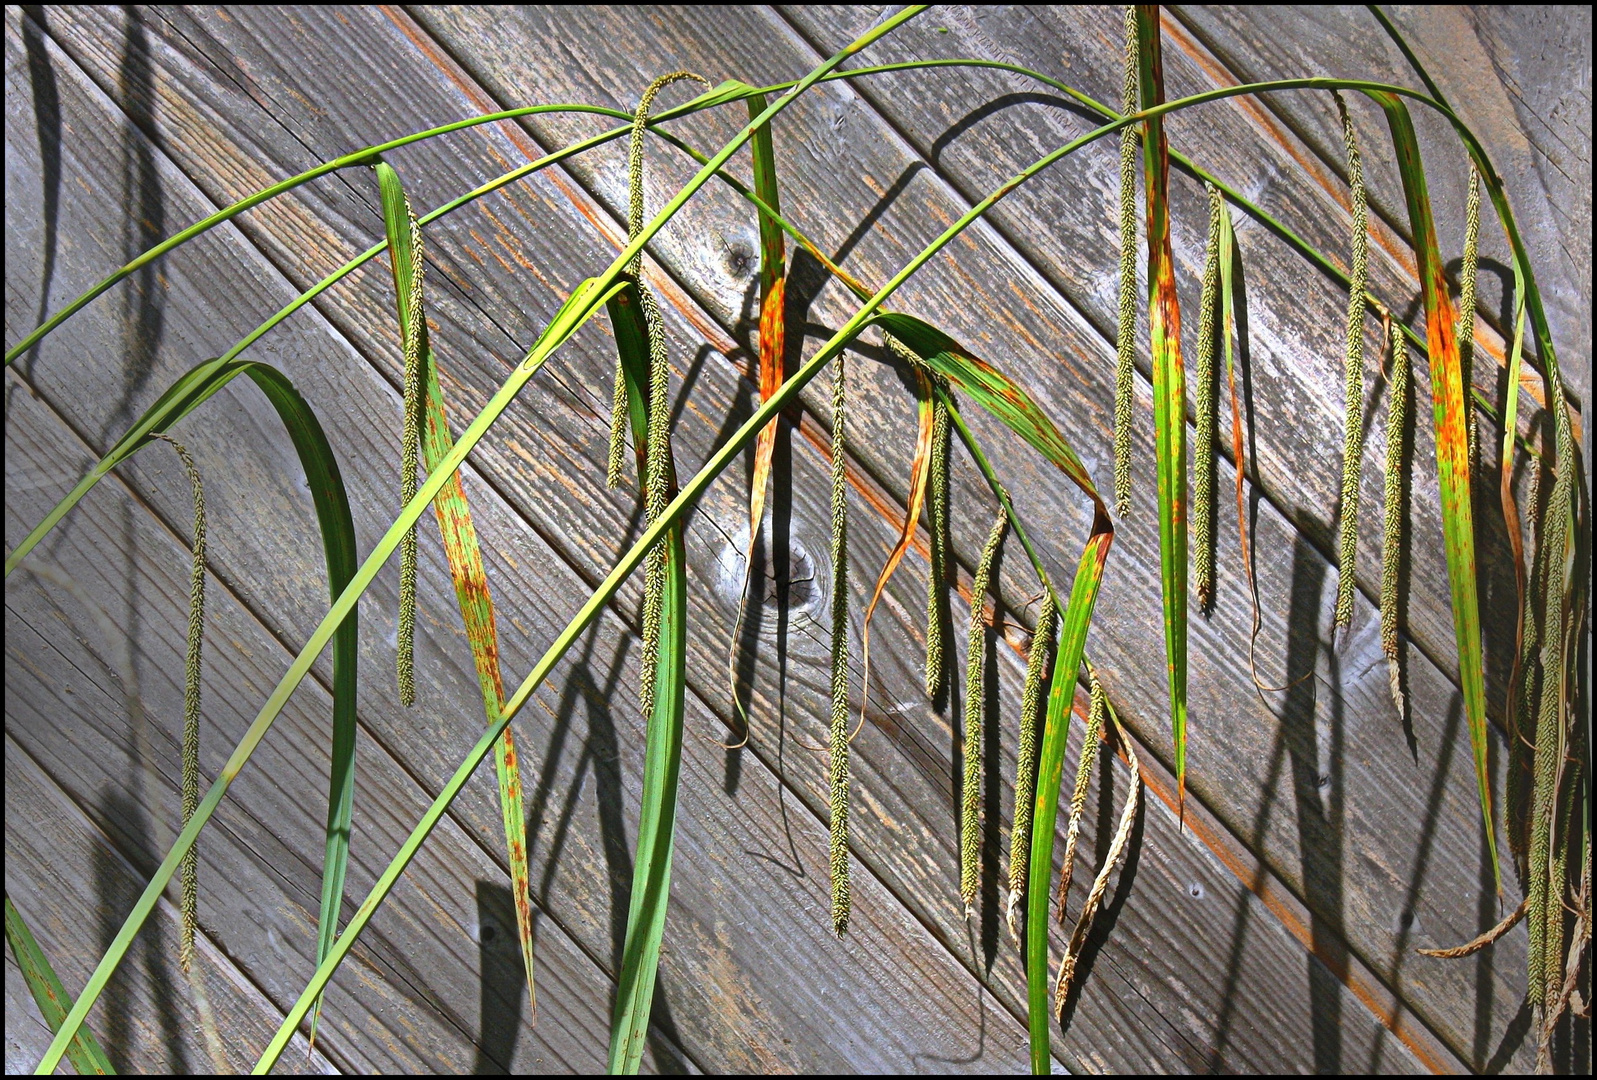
{"type": "Point", "coordinates": [1449, 411]}
{"type": "Point", "coordinates": [1169, 389]}
{"type": "Point", "coordinates": [52, 998]}
{"type": "Point", "coordinates": [465, 569]}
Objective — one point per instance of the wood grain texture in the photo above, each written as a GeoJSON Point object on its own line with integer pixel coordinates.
{"type": "Point", "coordinates": [233, 100]}
{"type": "Point", "coordinates": [727, 974]}
{"type": "Point", "coordinates": [1350, 893]}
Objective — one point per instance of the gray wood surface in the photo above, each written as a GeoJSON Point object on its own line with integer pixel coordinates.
{"type": "Point", "coordinates": [1327, 836]}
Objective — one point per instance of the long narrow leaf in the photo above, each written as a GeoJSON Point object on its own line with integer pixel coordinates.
{"type": "Point", "coordinates": [468, 573]}
{"type": "Point", "coordinates": [1050, 770]}
{"type": "Point", "coordinates": [1169, 390]}
{"type": "Point", "coordinates": [52, 998]}
{"type": "Point", "coordinates": [651, 872]}
{"type": "Point", "coordinates": [1451, 416]}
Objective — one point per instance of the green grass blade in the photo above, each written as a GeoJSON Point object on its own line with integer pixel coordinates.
{"type": "Point", "coordinates": [470, 580]}
{"type": "Point", "coordinates": [1050, 769]}
{"type": "Point", "coordinates": [1451, 416]}
{"type": "Point", "coordinates": [52, 998]}
{"type": "Point", "coordinates": [1169, 390]}
{"type": "Point", "coordinates": [651, 870]}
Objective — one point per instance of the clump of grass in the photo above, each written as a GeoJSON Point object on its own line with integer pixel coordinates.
{"type": "Point", "coordinates": [934, 356]}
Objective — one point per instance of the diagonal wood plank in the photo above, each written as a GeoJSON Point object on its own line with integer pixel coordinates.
{"type": "Point", "coordinates": [57, 858]}
{"type": "Point", "coordinates": [943, 1017]}
{"type": "Point", "coordinates": [257, 67]}
{"type": "Point", "coordinates": [1350, 893]}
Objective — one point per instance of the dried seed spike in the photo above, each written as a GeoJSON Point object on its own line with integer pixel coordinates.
{"type": "Point", "coordinates": [970, 808]}
{"type": "Point", "coordinates": [1392, 533]}
{"type": "Point", "coordinates": [189, 868]}
{"type": "Point", "coordinates": [1126, 329]}
{"type": "Point", "coordinates": [409, 458]}
{"type": "Point", "coordinates": [1078, 798]}
{"type": "Point", "coordinates": [1466, 303]}
{"type": "Point", "coordinates": [937, 519]}
{"type": "Point", "coordinates": [1031, 704]}
{"type": "Point", "coordinates": [1204, 459]}
{"type": "Point", "coordinates": [839, 720]}
{"type": "Point", "coordinates": [1117, 848]}
{"type": "Point", "coordinates": [1477, 944]}
{"type": "Point", "coordinates": [618, 398]}
{"type": "Point", "coordinates": [1353, 444]}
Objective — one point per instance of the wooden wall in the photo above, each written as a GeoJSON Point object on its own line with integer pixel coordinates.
{"type": "Point", "coordinates": [1326, 837]}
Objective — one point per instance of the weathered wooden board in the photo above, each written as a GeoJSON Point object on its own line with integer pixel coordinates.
{"type": "Point", "coordinates": [224, 95]}
{"type": "Point", "coordinates": [116, 756]}
{"type": "Point", "coordinates": [713, 44]}
{"type": "Point", "coordinates": [943, 845]}
{"type": "Point", "coordinates": [948, 1017]}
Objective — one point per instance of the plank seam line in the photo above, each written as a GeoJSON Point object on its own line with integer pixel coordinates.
{"type": "Point", "coordinates": [1008, 245]}
{"type": "Point", "coordinates": [218, 956]}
